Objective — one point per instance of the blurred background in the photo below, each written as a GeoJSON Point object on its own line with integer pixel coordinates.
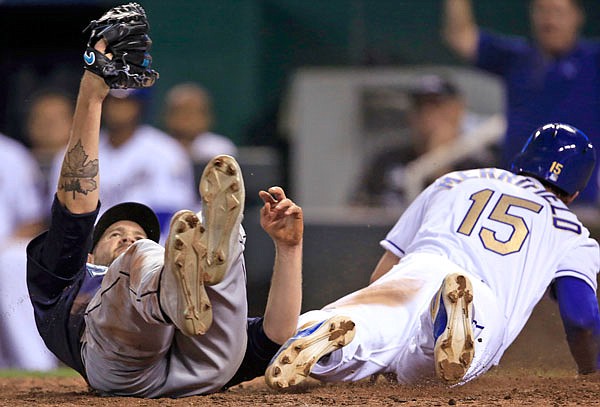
{"type": "Point", "coordinates": [244, 51]}
{"type": "Point", "coordinates": [256, 58]}
{"type": "Point", "coordinates": [312, 81]}
{"type": "Point", "coordinates": [309, 91]}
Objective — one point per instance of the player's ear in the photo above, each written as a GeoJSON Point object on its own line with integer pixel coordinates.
{"type": "Point", "coordinates": [571, 198]}
{"type": "Point", "coordinates": [90, 258]}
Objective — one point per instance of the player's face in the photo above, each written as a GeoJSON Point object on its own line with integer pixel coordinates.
{"type": "Point", "coordinates": [49, 123]}
{"type": "Point", "coordinates": [188, 116]}
{"type": "Point", "coordinates": [115, 240]}
{"type": "Point", "coordinates": [119, 114]}
{"type": "Point", "coordinates": [435, 120]}
{"type": "Point", "coordinates": [556, 24]}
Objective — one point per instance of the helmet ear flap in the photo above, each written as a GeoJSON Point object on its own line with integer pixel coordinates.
{"type": "Point", "coordinates": [559, 154]}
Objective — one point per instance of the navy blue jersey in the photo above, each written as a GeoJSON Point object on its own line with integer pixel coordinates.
{"type": "Point", "coordinates": [58, 283]}
{"type": "Point", "coordinates": [565, 89]}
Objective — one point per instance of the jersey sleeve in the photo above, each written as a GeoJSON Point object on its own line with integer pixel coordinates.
{"type": "Point", "coordinates": [55, 273]}
{"type": "Point", "coordinates": [21, 189]}
{"type": "Point", "coordinates": [259, 351]}
{"type": "Point", "coordinates": [403, 232]}
{"type": "Point", "coordinates": [583, 263]}
{"type": "Point", "coordinates": [496, 53]}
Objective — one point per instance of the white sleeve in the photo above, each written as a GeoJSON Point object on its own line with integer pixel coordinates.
{"type": "Point", "coordinates": [25, 187]}
{"type": "Point", "coordinates": [583, 262]}
{"type": "Point", "coordinates": [403, 232]}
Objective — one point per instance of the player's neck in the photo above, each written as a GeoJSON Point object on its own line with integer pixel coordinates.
{"type": "Point", "coordinates": [119, 137]}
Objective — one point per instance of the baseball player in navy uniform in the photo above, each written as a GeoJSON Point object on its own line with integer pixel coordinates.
{"type": "Point", "coordinates": [134, 318]}
{"type": "Point", "coordinates": [463, 269]}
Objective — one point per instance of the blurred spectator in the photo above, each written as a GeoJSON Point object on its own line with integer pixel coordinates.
{"type": "Point", "coordinates": [20, 191]}
{"type": "Point", "coordinates": [21, 218]}
{"type": "Point", "coordinates": [140, 162]}
{"type": "Point", "coordinates": [436, 118]}
{"type": "Point", "coordinates": [48, 124]}
{"type": "Point", "coordinates": [189, 119]}
{"type": "Point", "coordinates": [21, 346]}
{"type": "Point", "coordinates": [553, 78]}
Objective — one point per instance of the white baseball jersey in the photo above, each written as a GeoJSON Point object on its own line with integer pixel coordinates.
{"type": "Point", "coordinates": [20, 187]}
{"type": "Point", "coordinates": [208, 145]}
{"type": "Point", "coordinates": [508, 234]}
{"type": "Point", "coordinates": [503, 228]}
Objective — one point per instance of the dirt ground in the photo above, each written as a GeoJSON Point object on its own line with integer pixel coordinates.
{"type": "Point", "coordinates": [537, 370]}
{"type": "Point", "coordinates": [497, 388]}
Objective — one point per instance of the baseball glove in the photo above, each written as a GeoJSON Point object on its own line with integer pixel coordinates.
{"type": "Point", "coordinates": [125, 30]}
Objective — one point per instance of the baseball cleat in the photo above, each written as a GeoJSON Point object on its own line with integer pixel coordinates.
{"type": "Point", "coordinates": [191, 310]}
{"type": "Point", "coordinates": [295, 359]}
{"type": "Point", "coordinates": [197, 250]}
{"type": "Point", "coordinates": [452, 311]}
{"type": "Point", "coordinates": [222, 191]}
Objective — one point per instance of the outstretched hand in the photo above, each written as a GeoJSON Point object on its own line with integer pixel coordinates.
{"type": "Point", "coordinates": [281, 218]}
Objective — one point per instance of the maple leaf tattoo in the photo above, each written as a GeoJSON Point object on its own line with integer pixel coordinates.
{"type": "Point", "coordinates": [77, 173]}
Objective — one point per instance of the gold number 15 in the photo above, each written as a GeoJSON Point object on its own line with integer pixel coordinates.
{"type": "Point", "coordinates": [520, 231]}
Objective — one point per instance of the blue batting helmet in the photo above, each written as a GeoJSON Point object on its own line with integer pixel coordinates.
{"type": "Point", "coordinates": [560, 154]}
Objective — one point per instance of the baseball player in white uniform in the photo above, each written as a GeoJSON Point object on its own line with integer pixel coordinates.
{"type": "Point", "coordinates": [464, 267]}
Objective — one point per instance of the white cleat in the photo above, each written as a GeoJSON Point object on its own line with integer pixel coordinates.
{"type": "Point", "coordinates": [223, 195]}
{"type": "Point", "coordinates": [295, 359]}
{"type": "Point", "coordinates": [197, 250]}
{"type": "Point", "coordinates": [452, 312]}
{"type": "Point", "coordinates": [190, 306]}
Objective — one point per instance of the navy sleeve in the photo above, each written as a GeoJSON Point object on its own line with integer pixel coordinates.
{"type": "Point", "coordinates": [259, 351]}
{"type": "Point", "coordinates": [578, 307]}
{"type": "Point", "coordinates": [63, 249]}
{"type": "Point", "coordinates": [55, 272]}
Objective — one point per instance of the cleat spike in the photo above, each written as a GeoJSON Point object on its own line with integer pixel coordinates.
{"type": "Point", "coordinates": [306, 348]}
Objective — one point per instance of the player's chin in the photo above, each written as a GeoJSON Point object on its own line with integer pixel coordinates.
{"type": "Point", "coordinates": [118, 252]}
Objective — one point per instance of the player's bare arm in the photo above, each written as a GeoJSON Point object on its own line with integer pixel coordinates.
{"type": "Point", "coordinates": [78, 181]}
{"type": "Point", "coordinates": [583, 347]}
{"type": "Point", "coordinates": [116, 57]}
{"type": "Point", "coordinates": [460, 30]}
{"type": "Point", "coordinates": [78, 173]}
{"type": "Point", "coordinates": [282, 219]}
{"type": "Point", "coordinates": [385, 264]}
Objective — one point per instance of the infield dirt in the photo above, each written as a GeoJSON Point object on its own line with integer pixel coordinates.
{"type": "Point", "coordinates": [536, 371]}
